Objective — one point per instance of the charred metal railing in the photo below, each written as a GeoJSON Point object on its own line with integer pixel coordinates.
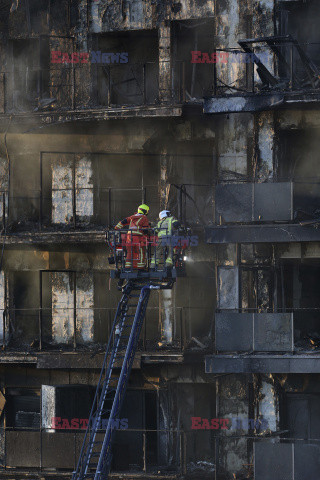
{"type": "Point", "coordinates": [260, 65]}
{"type": "Point", "coordinates": [196, 205]}
{"type": "Point", "coordinates": [31, 329]}
{"type": "Point", "coordinates": [57, 448]}
{"type": "Point", "coordinates": [46, 449]}
{"type": "Point", "coordinates": [60, 87]}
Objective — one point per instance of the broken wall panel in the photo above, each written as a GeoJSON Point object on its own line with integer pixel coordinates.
{"type": "Point", "coordinates": [228, 288]}
{"type": "Point", "coordinates": [68, 180]}
{"type": "Point", "coordinates": [61, 76]}
{"type": "Point", "coordinates": [68, 298]}
{"type": "Point", "coordinates": [62, 308]}
{"type": "Point", "coordinates": [62, 190]}
{"type": "Point", "coordinates": [83, 189]}
{"type": "Point", "coordinates": [140, 15]}
{"type": "Point", "coordinates": [85, 308]}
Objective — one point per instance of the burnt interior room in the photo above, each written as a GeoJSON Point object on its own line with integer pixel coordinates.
{"type": "Point", "coordinates": [299, 405]}
{"type": "Point", "coordinates": [130, 76]}
{"type": "Point", "coordinates": [22, 409]}
{"type": "Point", "coordinates": [298, 291]}
{"type": "Point", "coordinates": [29, 77]}
{"type": "Point", "coordinates": [300, 20]}
{"type": "Point", "coordinates": [257, 289]}
{"type": "Point", "coordinates": [299, 160]}
{"type": "Point", "coordinates": [82, 190]}
{"type": "Point", "coordinates": [72, 307]}
{"type": "Point", "coordinates": [192, 80]}
{"type": "Point", "coordinates": [140, 412]}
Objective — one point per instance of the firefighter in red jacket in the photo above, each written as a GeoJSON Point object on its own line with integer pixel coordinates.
{"type": "Point", "coordinates": [136, 241]}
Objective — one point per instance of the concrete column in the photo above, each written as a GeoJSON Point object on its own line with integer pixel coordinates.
{"type": "Point", "coordinates": [264, 168]}
{"type": "Point", "coordinates": [165, 92]}
{"type": "Point", "coordinates": [166, 297]}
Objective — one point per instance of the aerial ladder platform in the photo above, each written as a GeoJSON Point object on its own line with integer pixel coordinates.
{"type": "Point", "coordinates": [95, 456]}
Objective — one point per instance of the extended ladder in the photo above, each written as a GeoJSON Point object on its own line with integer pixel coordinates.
{"type": "Point", "coordinates": [95, 457]}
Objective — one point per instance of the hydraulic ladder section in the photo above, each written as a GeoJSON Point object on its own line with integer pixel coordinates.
{"type": "Point", "coordinates": [95, 457]}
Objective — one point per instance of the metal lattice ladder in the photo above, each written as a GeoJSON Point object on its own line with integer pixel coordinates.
{"type": "Point", "coordinates": [95, 457]}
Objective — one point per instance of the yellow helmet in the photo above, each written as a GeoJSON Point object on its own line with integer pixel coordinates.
{"type": "Point", "coordinates": [143, 209]}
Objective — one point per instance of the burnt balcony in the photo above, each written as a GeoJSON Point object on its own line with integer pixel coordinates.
{"type": "Point", "coordinates": [55, 452]}
{"type": "Point", "coordinates": [266, 342]}
{"type": "Point", "coordinates": [45, 336]}
{"type": "Point", "coordinates": [267, 73]}
{"type": "Point", "coordinates": [266, 212]}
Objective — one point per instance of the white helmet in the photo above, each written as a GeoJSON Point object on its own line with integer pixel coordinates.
{"type": "Point", "coordinates": [164, 214]}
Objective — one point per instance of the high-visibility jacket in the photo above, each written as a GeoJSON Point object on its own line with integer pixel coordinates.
{"type": "Point", "coordinates": [166, 226]}
{"type": "Point", "coordinates": [138, 224]}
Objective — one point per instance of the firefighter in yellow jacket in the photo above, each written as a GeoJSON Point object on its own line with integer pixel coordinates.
{"type": "Point", "coordinates": [164, 230]}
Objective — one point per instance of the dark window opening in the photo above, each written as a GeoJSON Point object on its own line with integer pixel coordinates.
{"type": "Point", "coordinates": [23, 409]}
{"type": "Point", "coordinates": [130, 74]}
{"type": "Point", "coordinates": [298, 292]}
{"type": "Point", "coordinates": [257, 289]}
{"type": "Point", "coordinates": [36, 13]}
{"type": "Point", "coordinates": [299, 160]}
{"type": "Point", "coordinates": [30, 72]}
{"type": "Point", "coordinates": [141, 443]}
{"type": "Point", "coordinates": [66, 407]}
{"type": "Point", "coordinates": [22, 320]}
{"type": "Point", "coordinates": [300, 20]}
{"type": "Point", "coordinates": [63, 15]}
{"type": "Point", "coordinates": [192, 80]}
{"type": "Point", "coordinates": [302, 415]}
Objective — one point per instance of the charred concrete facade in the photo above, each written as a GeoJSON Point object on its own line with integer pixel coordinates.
{"type": "Point", "coordinates": [231, 148]}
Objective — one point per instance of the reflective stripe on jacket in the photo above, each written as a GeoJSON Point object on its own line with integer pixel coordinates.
{"type": "Point", "coordinates": [166, 226]}
{"type": "Point", "coordinates": [137, 222]}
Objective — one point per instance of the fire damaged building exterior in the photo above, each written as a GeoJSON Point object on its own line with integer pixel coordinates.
{"type": "Point", "coordinates": [209, 108]}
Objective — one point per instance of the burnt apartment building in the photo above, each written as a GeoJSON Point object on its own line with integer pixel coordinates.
{"type": "Point", "coordinates": [231, 144]}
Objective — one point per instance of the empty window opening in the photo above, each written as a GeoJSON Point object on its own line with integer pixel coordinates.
{"type": "Point", "coordinates": [299, 19]}
{"type": "Point", "coordinates": [299, 160]}
{"type": "Point", "coordinates": [141, 443]}
{"type": "Point", "coordinates": [130, 74]}
{"type": "Point", "coordinates": [298, 292]}
{"type": "Point", "coordinates": [30, 72]}
{"type": "Point", "coordinates": [23, 409]}
{"type": "Point", "coordinates": [66, 407]}
{"type": "Point", "coordinates": [192, 80]}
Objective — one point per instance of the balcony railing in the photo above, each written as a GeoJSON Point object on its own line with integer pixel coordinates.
{"type": "Point", "coordinates": [48, 450]}
{"type": "Point", "coordinates": [92, 208]}
{"type": "Point", "coordinates": [85, 329]}
{"type": "Point", "coordinates": [251, 331]}
{"type": "Point", "coordinates": [284, 201]}
{"type": "Point", "coordinates": [62, 87]}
